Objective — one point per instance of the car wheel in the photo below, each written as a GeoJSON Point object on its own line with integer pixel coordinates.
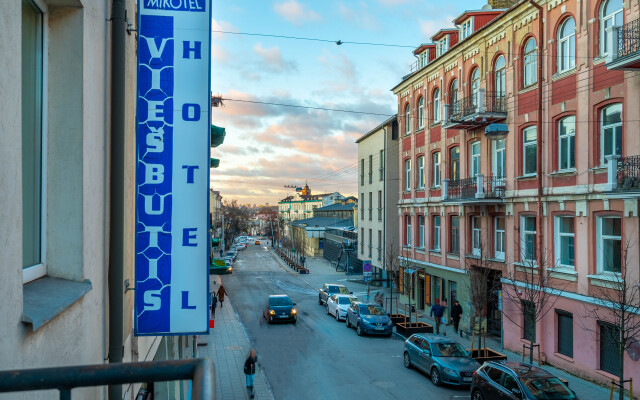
{"type": "Point", "coordinates": [435, 376]}
{"type": "Point", "coordinates": [359, 330]}
{"type": "Point", "coordinates": [407, 360]}
{"type": "Point", "coordinates": [337, 316]}
{"type": "Point", "coordinates": [477, 395]}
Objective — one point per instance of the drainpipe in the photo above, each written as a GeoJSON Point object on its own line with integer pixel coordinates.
{"type": "Point", "coordinates": [116, 232]}
{"type": "Point", "coordinates": [384, 209]}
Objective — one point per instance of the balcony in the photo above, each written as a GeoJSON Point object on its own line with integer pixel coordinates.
{"type": "Point", "coordinates": [623, 175]}
{"type": "Point", "coordinates": [624, 42]}
{"type": "Point", "coordinates": [480, 189]}
{"type": "Point", "coordinates": [475, 111]}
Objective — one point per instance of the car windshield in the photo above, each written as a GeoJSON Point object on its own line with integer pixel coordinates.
{"type": "Point", "coordinates": [345, 300]}
{"type": "Point", "coordinates": [343, 290]}
{"type": "Point", "coordinates": [371, 310]}
{"type": "Point", "coordinates": [546, 388]}
{"type": "Point", "coordinates": [280, 301]}
{"type": "Point", "coordinates": [334, 289]}
{"type": "Point", "coordinates": [448, 350]}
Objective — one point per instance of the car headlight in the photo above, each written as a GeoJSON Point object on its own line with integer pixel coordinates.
{"type": "Point", "coordinates": [450, 371]}
{"type": "Point", "coordinates": [271, 312]}
{"type": "Point", "coordinates": [293, 311]}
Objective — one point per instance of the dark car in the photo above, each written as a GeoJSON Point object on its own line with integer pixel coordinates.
{"type": "Point", "coordinates": [516, 380]}
{"type": "Point", "coordinates": [444, 359]}
{"type": "Point", "coordinates": [280, 308]}
{"type": "Point", "coordinates": [368, 318]}
{"type": "Point", "coordinates": [331, 288]}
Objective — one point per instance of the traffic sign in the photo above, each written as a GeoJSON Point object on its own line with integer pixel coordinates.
{"type": "Point", "coordinates": [366, 266]}
{"type": "Point", "coordinates": [367, 276]}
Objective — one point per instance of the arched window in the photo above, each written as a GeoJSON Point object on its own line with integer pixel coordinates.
{"type": "Point", "coordinates": [499, 81]}
{"type": "Point", "coordinates": [407, 120]}
{"type": "Point", "coordinates": [530, 67]}
{"type": "Point", "coordinates": [421, 113]}
{"type": "Point", "coordinates": [436, 105]}
{"type": "Point", "coordinates": [610, 15]}
{"type": "Point", "coordinates": [453, 93]}
{"type": "Point", "coordinates": [567, 45]}
{"type": "Point", "coordinates": [610, 132]}
{"type": "Point", "coordinates": [475, 86]}
{"type": "Point", "coordinates": [454, 163]}
{"type": "Point", "coordinates": [567, 143]}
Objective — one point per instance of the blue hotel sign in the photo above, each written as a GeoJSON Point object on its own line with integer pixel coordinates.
{"type": "Point", "coordinates": [172, 167]}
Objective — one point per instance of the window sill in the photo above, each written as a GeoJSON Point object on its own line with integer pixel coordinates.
{"type": "Point", "coordinates": [564, 172]}
{"type": "Point", "coordinates": [526, 177]}
{"type": "Point", "coordinates": [498, 260]}
{"type": "Point", "coordinates": [599, 60]}
{"type": "Point", "coordinates": [420, 190]}
{"type": "Point", "coordinates": [606, 280]}
{"type": "Point", "coordinates": [563, 74]}
{"type": "Point", "coordinates": [45, 298]}
{"type": "Point", "coordinates": [528, 88]}
{"type": "Point", "coordinates": [435, 187]}
{"type": "Point", "coordinates": [526, 267]}
{"type": "Point", "coordinates": [564, 357]}
{"type": "Point", "coordinates": [435, 124]}
{"type": "Point", "coordinates": [420, 250]}
{"type": "Point", "coordinates": [599, 169]}
{"type": "Point", "coordinates": [421, 129]}
{"type": "Point", "coordinates": [453, 256]}
{"type": "Point", "coordinates": [565, 273]}
{"type": "Point", "coordinates": [435, 252]}
{"type": "Point", "coordinates": [475, 257]}
{"type": "Point", "coordinates": [405, 247]}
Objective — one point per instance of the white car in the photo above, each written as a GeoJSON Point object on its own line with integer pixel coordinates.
{"type": "Point", "coordinates": [337, 305]}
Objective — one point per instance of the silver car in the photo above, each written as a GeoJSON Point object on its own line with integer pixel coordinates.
{"type": "Point", "coordinates": [337, 305]}
{"type": "Point", "coordinates": [444, 359]}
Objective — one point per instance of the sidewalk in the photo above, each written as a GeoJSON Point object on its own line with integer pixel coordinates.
{"type": "Point", "coordinates": [228, 346]}
{"type": "Point", "coordinates": [319, 268]}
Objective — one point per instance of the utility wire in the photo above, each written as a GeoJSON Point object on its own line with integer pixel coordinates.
{"type": "Point", "coordinates": [308, 107]}
{"type": "Point", "coordinates": [337, 42]}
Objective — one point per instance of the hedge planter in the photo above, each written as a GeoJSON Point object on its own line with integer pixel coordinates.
{"type": "Point", "coordinates": [397, 318]}
{"type": "Point", "coordinates": [485, 354]}
{"type": "Point", "coordinates": [407, 329]}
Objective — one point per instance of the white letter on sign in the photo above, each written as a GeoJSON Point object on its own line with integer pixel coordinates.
{"type": "Point", "coordinates": [154, 174]}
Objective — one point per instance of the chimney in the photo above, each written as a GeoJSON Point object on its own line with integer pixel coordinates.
{"type": "Point", "coordinates": [502, 3]}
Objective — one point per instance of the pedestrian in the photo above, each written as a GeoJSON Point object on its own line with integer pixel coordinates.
{"type": "Point", "coordinates": [250, 371]}
{"type": "Point", "coordinates": [221, 293]}
{"type": "Point", "coordinates": [456, 314]}
{"type": "Point", "coordinates": [214, 304]}
{"type": "Point", "coordinates": [303, 259]}
{"type": "Point", "coordinates": [437, 310]}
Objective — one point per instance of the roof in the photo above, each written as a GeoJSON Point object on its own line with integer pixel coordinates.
{"type": "Point", "coordinates": [323, 222]}
{"type": "Point", "coordinates": [442, 32]}
{"type": "Point", "coordinates": [423, 47]}
{"type": "Point", "coordinates": [468, 13]}
{"type": "Point", "coordinates": [377, 128]}
{"type": "Point", "coordinates": [337, 207]}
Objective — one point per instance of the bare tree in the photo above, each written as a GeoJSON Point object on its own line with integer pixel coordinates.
{"type": "Point", "coordinates": [392, 267]}
{"type": "Point", "coordinates": [618, 311]}
{"type": "Point", "coordinates": [236, 219]}
{"type": "Point", "coordinates": [532, 294]}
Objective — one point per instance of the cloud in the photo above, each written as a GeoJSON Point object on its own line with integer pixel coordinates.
{"type": "Point", "coordinates": [271, 59]}
{"type": "Point", "coordinates": [359, 16]}
{"type": "Point", "coordinates": [221, 26]}
{"type": "Point", "coordinates": [295, 13]}
{"type": "Point", "coordinates": [430, 26]}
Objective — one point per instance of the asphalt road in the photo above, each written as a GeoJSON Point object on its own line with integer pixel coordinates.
{"type": "Point", "coordinates": [319, 358]}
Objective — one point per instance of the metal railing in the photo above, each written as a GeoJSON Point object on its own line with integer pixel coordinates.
{"type": "Point", "coordinates": [495, 102]}
{"type": "Point", "coordinates": [481, 102]}
{"type": "Point", "coordinates": [629, 38]}
{"type": "Point", "coordinates": [462, 188]}
{"type": "Point", "coordinates": [200, 371]}
{"type": "Point", "coordinates": [494, 186]}
{"type": "Point", "coordinates": [478, 187]}
{"type": "Point", "coordinates": [628, 177]}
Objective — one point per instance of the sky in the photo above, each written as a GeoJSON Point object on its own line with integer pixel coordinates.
{"type": "Point", "coordinates": [267, 146]}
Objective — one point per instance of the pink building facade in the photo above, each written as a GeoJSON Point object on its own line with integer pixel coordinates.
{"type": "Point", "coordinates": [561, 185]}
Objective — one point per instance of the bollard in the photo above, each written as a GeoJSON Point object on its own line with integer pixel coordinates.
{"type": "Point", "coordinates": [611, 394]}
{"type": "Point", "coordinates": [631, 388]}
{"type": "Point", "coordinates": [522, 352]}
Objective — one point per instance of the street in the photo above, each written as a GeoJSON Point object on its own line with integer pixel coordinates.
{"type": "Point", "coordinates": [319, 357]}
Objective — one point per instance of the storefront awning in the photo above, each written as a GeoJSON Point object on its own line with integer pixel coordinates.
{"type": "Point", "coordinates": [215, 163]}
{"type": "Point", "coordinates": [217, 135]}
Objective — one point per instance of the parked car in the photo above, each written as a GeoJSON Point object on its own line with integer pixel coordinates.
{"type": "Point", "coordinates": [257, 242]}
{"type": "Point", "coordinates": [368, 318]}
{"type": "Point", "coordinates": [444, 359]}
{"type": "Point", "coordinates": [337, 305]}
{"type": "Point", "coordinates": [231, 253]}
{"type": "Point", "coordinates": [229, 265]}
{"type": "Point", "coordinates": [331, 288]}
{"type": "Point", "coordinates": [280, 308]}
{"type": "Point", "coordinates": [516, 380]}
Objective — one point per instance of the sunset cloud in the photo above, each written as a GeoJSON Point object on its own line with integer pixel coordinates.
{"type": "Point", "coordinates": [271, 59]}
{"type": "Point", "coordinates": [295, 13]}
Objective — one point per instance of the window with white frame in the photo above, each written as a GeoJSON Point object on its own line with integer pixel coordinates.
{"type": "Point", "coordinates": [476, 242]}
{"type": "Point", "coordinates": [380, 245]}
{"type": "Point", "coordinates": [454, 95]}
{"type": "Point", "coordinates": [362, 207]}
{"type": "Point", "coordinates": [530, 64]}
{"type": "Point", "coordinates": [362, 241]}
{"type": "Point", "coordinates": [467, 28]}
{"type": "Point", "coordinates": [528, 239]}
{"type": "Point", "coordinates": [436, 233]}
{"type": "Point", "coordinates": [407, 225]}
{"type": "Point", "coordinates": [610, 132]}
{"type": "Point", "coordinates": [565, 242]}
{"type": "Point", "coordinates": [498, 158]}
{"type": "Point", "coordinates": [424, 58]}
{"type": "Point", "coordinates": [567, 45]}
{"type": "Point", "coordinates": [529, 150]}
{"type": "Point", "coordinates": [370, 241]}
{"type": "Point", "coordinates": [407, 174]}
{"type": "Point", "coordinates": [420, 172]}
{"type": "Point", "coordinates": [474, 159]}
{"type": "Point", "coordinates": [370, 206]}
{"type": "Point", "coordinates": [421, 231]}
{"type": "Point", "coordinates": [455, 235]}
{"type": "Point", "coordinates": [370, 168]}
{"type": "Point", "coordinates": [407, 120]}
{"type": "Point", "coordinates": [421, 113]}
{"type": "Point", "coordinates": [499, 77]}
{"type": "Point", "coordinates": [610, 15]}
{"type": "Point", "coordinates": [436, 105]}
{"type": "Point", "coordinates": [436, 169]}
{"type": "Point", "coordinates": [32, 141]}
{"type": "Point", "coordinates": [362, 172]}
{"type": "Point", "coordinates": [498, 238]}
{"type": "Point", "coordinates": [567, 143]}
{"type": "Point", "coordinates": [380, 205]}
{"type": "Point", "coordinates": [475, 86]}
{"type": "Point", "coordinates": [609, 250]}
{"type": "Point", "coordinates": [381, 165]}
{"type": "Point", "coordinates": [454, 163]}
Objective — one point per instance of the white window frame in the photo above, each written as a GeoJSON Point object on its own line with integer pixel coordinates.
{"type": "Point", "coordinates": [499, 241]}
{"type": "Point", "coordinates": [498, 159]}
{"type": "Point", "coordinates": [436, 105]}
{"type": "Point", "coordinates": [436, 168]}
{"type": "Point", "coordinates": [607, 21]}
{"type": "Point", "coordinates": [407, 120]}
{"type": "Point", "coordinates": [421, 113]}
{"type": "Point", "coordinates": [436, 233]}
{"type": "Point", "coordinates": [421, 231]}
{"type": "Point", "coordinates": [499, 77]}
{"type": "Point", "coordinates": [475, 85]}
{"type": "Point", "coordinates": [474, 159]}
{"type": "Point", "coordinates": [476, 236]}
{"type": "Point", "coordinates": [407, 174]}
{"type": "Point", "coordinates": [600, 248]}
{"type": "Point", "coordinates": [558, 235]}
{"type": "Point", "coordinates": [566, 143]}
{"type": "Point", "coordinates": [523, 236]}
{"type": "Point", "coordinates": [455, 94]}
{"type": "Point", "coordinates": [604, 134]}
{"type": "Point", "coordinates": [407, 222]}
{"type": "Point", "coordinates": [455, 233]}
{"type": "Point", "coordinates": [420, 172]}
{"type": "Point", "coordinates": [530, 64]}
{"type": "Point", "coordinates": [525, 145]}
{"type": "Point", "coordinates": [566, 48]}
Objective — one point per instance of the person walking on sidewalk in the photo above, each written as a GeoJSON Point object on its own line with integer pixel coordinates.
{"type": "Point", "coordinates": [456, 314]}
{"type": "Point", "coordinates": [437, 310]}
{"type": "Point", "coordinates": [250, 371]}
{"type": "Point", "coordinates": [221, 293]}
{"type": "Point", "coordinates": [214, 304]}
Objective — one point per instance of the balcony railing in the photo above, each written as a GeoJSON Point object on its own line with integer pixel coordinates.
{"type": "Point", "coordinates": [629, 38]}
{"type": "Point", "coordinates": [624, 46]}
{"type": "Point", "coordinates": [623, 173]}
{"type": "Point", "coordinates": [479, 187]}
{"type": "Point", "coordinates": [63, 379]}
{"type": "Point", "coordinates": [483, 108]}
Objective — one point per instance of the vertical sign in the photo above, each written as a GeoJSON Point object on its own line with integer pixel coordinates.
{"type": "Point", "coordinates": [172, 167]}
